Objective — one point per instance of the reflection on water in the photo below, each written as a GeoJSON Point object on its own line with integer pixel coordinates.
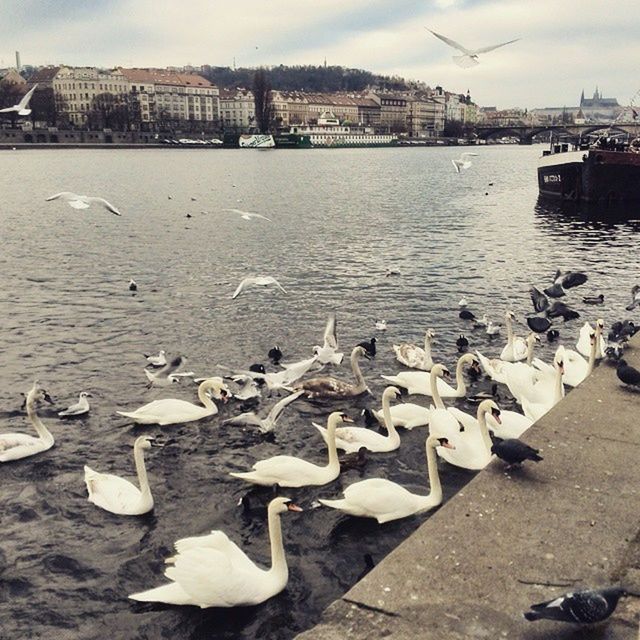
{"type": "Point", "coordinates": [341, 220]}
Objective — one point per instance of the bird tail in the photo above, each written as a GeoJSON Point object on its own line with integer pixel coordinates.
{"type": "Point", "coordinates": [464, 61]}
{"type": "Point", "coordinates": [532, 615]}
{"type": "Point", "coordinates": [535, 457]}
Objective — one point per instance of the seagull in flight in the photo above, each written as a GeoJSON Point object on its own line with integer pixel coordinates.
{"type": "Point", "coordinates": [463, 162]}
{"type": "Point", "coordinates": [469, 57]}
{"type": "Point", "coordinates": [21, 107]}
{"type": "Point", "coordinates": [248, 215]}
{"type": "Point", "coordinates": [262, 281]}
{"type": "Point", "coordinates": [265, 425]}
{"type": "Point", "coordinates": [83, 202]}
{"type": "Point", "coordinates": [328, 352]}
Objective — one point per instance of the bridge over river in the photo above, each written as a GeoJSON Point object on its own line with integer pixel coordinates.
{"type": "Point", "coordinates": [526, 133]}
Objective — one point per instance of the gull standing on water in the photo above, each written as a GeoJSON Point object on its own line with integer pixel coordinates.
{"type": "Point", "coordinates": [262, 281]}
{"type": "Point", "coordinates": [83, 202]}
{"type": "Point", "coordinates": [469, 57]}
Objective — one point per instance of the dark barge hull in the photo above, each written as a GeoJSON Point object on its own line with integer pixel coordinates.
{"type": "Point", "coordinates": [595, 176]}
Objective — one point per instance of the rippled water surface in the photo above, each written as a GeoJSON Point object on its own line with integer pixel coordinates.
{"type": "Point", "coordinates": [341, 219]}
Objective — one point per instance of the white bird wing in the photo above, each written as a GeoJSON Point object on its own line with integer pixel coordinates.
{"type": "Point", "coordinates": [297, 370]}
{"type": "Point", "coordinates": [249, 418]}
{"type": "Point", "coordinates": [65, 195]}
{"type": "Point", "coordinates": [279, 406]}
{"type": "Point", "coordinates": [265, 280]}
{"type": "Point", "coordinates": [241, 286]}
{"type": "Point", "coordinates": [110, 491]}
{"type": "Point", "coordinates": [104, 203]}
{"type": "Point", "coordinates": [450, 42]}
{"type": "Point", "coordinates": [456, 165]}
{"type": "Point", "coordinates": [215, 540]}
{"type": "Point", "coordinates": [259, 215]}
{"type": "Point", "coordinates": [78, 204]}
{"type": "Point", "coordinates": [330, 335]}
{"type": "Point", "coordinates": [492, 47]}
{"type": "Point", "coordinates": [25, 98]}
{"type": "Point", "coordinates": [467, 155]}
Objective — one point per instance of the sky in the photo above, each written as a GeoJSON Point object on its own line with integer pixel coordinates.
{"type": "Point", "coordinates": [565, 46]}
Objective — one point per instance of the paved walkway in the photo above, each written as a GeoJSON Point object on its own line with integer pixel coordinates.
{"type": "Point", "coordinates": [506, 540]}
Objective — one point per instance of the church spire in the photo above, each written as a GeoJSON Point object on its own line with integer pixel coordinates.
{"type": "Point", "coordinates": [582, 98]}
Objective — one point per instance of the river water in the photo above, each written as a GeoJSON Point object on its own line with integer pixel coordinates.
{"type": "Point", "coordinates": [341, 219]}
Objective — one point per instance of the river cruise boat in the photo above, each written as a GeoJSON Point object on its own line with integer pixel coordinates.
{"type": "Point", "coordinates": [256, 141]}
{"type": "Point", "coordinates": [604, 172]}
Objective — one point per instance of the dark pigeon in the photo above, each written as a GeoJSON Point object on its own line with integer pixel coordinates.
{"type": "Point", "coordinates": [582, 607]}
{"type": "Point", "coordinates": [514, 451]}
{"type": "Point", "coordinates": [593, 299]}
{"type": "Point", "coordinates": [560, 309]}
{"type": "Point", "coordinates": [462, 343]}
{"type": "Point", "coordinates": [369, 347]}
{"type": "Point", "coordinates": [538, 325]}
{"type": "Point", "coordinates": [466, 315]}
{"type": "Point", "coordinates": [540, 301]}
{"type": "Point", "coordinates": [573, 279]}
{"type": "Point", "coordinates": [628, 374]}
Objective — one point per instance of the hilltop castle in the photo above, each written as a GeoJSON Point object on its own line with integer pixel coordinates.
{"type": "Point", "coordinates": [599, 108]}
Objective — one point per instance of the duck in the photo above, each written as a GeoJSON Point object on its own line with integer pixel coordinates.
{"type": "Point", "coordinates": [599, 299]}
{"type": "Point", "coordinates": [584, 340]}
{"type": "Point", "coordinates": [350, 439]}
{"type": "Point", "coordinates": [329, 387]}
{"type": "Point", "coordinates": [79, 408]}
{"type": "Point", "coordinates": [117, 495]}
{"type": "Point", "coordinates": [416, 357]}
{"type": "Point", "coordinates": [356, 460]}
{"type": "Point", "coordinates": [418, 382]}
{"type": "Point", "coordinates": [462, 343]}
{"type": "Point", "coordinates": [473, 445]}
{"type": "Point", "coordinates": [516, 347]}
{"type": "Point", "coordinates": [289, 471]}
{"type": "Point", "coordinates": [384, 500]}
{"type": "Point", "coordinates": [173, 411]}
{"type": "Point", "coordinates": [212, 571]}
{"type": "Point", "coordinates": [369, 346]}
{"type": "Point", "coordinates": [15, 446]}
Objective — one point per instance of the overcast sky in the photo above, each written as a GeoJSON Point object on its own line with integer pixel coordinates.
{"type": "Point", "coordinates": [565, 46]}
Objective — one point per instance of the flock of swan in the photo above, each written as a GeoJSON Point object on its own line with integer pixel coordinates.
{"type": "Point", "coordinates": [210, 570]}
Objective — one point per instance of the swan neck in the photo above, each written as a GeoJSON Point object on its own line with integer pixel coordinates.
{"type": "Point", "coordinates": [204, 397]}
{"type": "Point", "coordinates": [435, 394]}
{"type": "Point", "coordinates": [141, 470]}
{"type": "Point", "coordinates": [559, 391]}
{"type": "Point", "coordinates": [427, 346]}
{"type": "Point", "coordinates": [357, 373]}
{"type": "Point", "coordinates": [484, 429]}
{"type": "Point", "coordinates": [386, 414]}
{"type": "Point", "coordinates": [38, 425]}
{"type": "Point", "coordinates": [530, 345]}
{"type": "Point", "coordinates": [592, 354]}
{"type": "Point", "coordinates": [435, 493]}
{"type": "Point", "coordinates": [331, 444]}
{"type": "Point", "coordinates": [507, 321]}
{"type": "Point", "coordinates": [278, 559]}
{"type": "Point", "coordinates": [461, 385]}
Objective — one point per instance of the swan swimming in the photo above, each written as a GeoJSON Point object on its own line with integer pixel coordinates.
{"type": "Point", "coordinates": [79, 408]}
{"type": "Point", "coordinates": [516, 347]}
{"type": "Point", "coordinates": [384, 500]}
{"type": "Point", "coordinates": [584, 340]}
{"type": "Point", "coordinates": [120, 496]}
{"type": "Point", "coordinates": [469, 57]}
{"type": "Point", "coordinates": [289, 471]}
{"type": "Point", "coordinates": [83, 202]}
{"type": "Point", "coordinates": [350, 439]}
{"type": "Point", "coordinates": [416, 357]}
{"type": "Point", "coordinates": [173, 411]}
{"type": "Point", "coordinates": [14, 446]}
{"type": "Point", "coordinates": [212, 571]}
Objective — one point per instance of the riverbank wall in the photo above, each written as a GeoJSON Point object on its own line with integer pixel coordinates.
{"type": "Point", "coordinates": [513, 538]}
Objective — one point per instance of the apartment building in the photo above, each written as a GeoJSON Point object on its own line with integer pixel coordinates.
{"type": "Point", "coordinates": [237, 109]}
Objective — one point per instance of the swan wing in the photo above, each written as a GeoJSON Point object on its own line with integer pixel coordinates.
{"type": "Point", "coordinates": [248, 418]}
{"type": "Point", "coordinates": [450, 42]}
{"type": "Point", "coordinates": [379, 497]}
{"type": "Point", "coordinates": [15, 446]}
{"type": "Point", "coordinates": [493, 367]}
{"type": "Point", "coordinates": [408, 413]}
{"type": "Point", "coordinates": [444, 424]}
{"type": "Point", "coordinates": [330, 336]}
{"type": "Point", "coordinates": [107, 205]}
{"type": "Point", "coordinates": [219, 541]}
{"type": "Point", "coordinates": [111, 492]}
{"type": "Point", "coordinates": [241, 286]}
{"type": "Point", "coordinates": [492, 47]}
{"type": "Point", "coordinates": [512, 424]}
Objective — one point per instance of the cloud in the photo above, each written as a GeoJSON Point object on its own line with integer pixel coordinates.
{"type": "Point", "coordinates": [565, 47]}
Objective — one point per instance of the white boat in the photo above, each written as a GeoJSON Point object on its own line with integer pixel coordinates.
{"type": "Point", "coordinates": [256, 141]}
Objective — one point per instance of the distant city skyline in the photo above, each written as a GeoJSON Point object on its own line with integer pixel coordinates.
{"type": "Point", "coordinates": [565, 48]}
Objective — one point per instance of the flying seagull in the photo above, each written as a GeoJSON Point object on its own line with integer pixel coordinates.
{"type": "Point", "coordinates": [21, 107]}
{"type": "Point", "coordinates": [247, 215]}
{"type": "Point", "coordinates": [262, 281]}
{"type": "Point", "coordinates": [265, 425]}
{"type": "Point", "coordinates": [83, 202]}
{"type": "Point", "coordinates": [469, 57]}
{"type": "Point", "coordinates": [463, 162]}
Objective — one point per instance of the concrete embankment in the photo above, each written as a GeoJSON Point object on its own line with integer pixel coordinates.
{"type": "Point", "coordinates": [508, 540]}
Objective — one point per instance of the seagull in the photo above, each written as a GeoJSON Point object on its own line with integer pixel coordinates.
{"type": "Point", "coordinates": [492, 329]}
{"type": "Point", "coordinates": [265, 425]}
{"type": "Point", "coordinates": [83, 202]}
{"type": "Point", "coordinates": [248, 387]}
{"type": "Point", "coordinates": [282, 379]}
{"type": "Point", "coordinates": [381, 325]}
{"type": "Point", "coordinates": [635, 298]}
{"type": "Point", "coordinates": [168, 374]}
{"type": "Point", "coordinates": [463, 162]}
{"type": "Point", "coordinates": [463, 301]}
{"type": "Point", "coordinates": [328, 352]}
{"type": "Point", "coordinates": [21, 107]}
{"type": "Point", "coordinates": [79, 408]}
{"type": "Point", "coordinates": [583, 607]}
{"type": "Point", "coordinates": [469, 57]}
{"type": "Point", "coordinates": [262, 281]}
{"type": "Point", "coordinates": [248, 215]}
{"type": "Point", "coordinates": [157, 361]}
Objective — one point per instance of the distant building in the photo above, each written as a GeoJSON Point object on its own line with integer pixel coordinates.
{"type": "Point", "coordinates": [11, 76]}
{"type": "Point", "coordinates": [590, 110]}
{"type": "Point", "coordinates": [43, 77]}
{"type": "Point", "coordinates": [237, 109]}
{"type": "Point", "coordinates": [599, 108]}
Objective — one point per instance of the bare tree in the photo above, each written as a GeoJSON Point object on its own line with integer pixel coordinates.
{"type": "Point", "coordinates": [262, 100]}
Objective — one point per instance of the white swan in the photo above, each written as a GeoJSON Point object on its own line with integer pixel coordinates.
{"type": "Point", "coordinates": [544, 396]}
{"type": "Point", "coordinates": [576, 368]}
{"type": "Point", "coordinates": [329, 387]}
{"type": "Point", "coordinates": [14, 446]}
{"type": "Point", "coordinates": [516, 347]}
{"type": "Point", "coordinates": [512, 424]}
{"type": "Point", "coordinates": [117, 495]}
{"type": "Point", "coordinates": [408, 415]}
{"type": "Point", "coordinates": [350, 439]}
{"type": "Point", "coordinates": [419, 382]}
{"type": "Point", "coordinates": [496, 368]}
{"type": "Point", "coordinates": [384, 500]}
{"type": "Point", "coordinates": [79, 408]}
{"type": "Point", "coordinates": [473, 445]}
{"type": "Point", "coordinates": [289, 471]}
{"type": "Point", "coordinates": [174, 411]}
{"type": "Point", "coordinates": [584, 340]}
{"type": "Point", "coordinates": [441, 421]}
{"type": "Point", "coordinates": [212, 571]}
{"type": "Point", "coordinates": [416, 357]}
